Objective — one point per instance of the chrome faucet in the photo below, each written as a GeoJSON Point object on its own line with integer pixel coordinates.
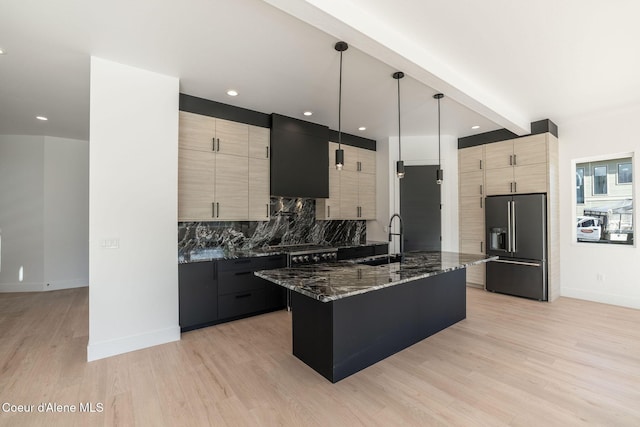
{"type": "Point", "coordinates": [401, 234]}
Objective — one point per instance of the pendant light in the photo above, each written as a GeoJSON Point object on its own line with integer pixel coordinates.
{"type": "Point", "coordinates": [399, 164]}
{"type": "Point", "coordinates": [340, 47]}
{"type": "Point", "coordinates": [439, 173]}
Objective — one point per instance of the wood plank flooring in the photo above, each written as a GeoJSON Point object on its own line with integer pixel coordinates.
{"type": "Point", "coordinates": [511, 362]}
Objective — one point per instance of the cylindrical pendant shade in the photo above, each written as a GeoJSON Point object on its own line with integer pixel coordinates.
{"type": "Point", "coordinates": [400, 169]}
{"type": "Point", "coordinates": [339, 158]}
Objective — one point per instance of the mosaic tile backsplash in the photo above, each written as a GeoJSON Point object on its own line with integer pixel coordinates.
{"type": "Point", "coordinates": [292, 222]}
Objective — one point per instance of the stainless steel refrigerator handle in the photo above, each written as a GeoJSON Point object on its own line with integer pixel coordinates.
{"type": "Point", "coordinates": [529, 264]}
{"type": "Point", "coordinates": [509, 227]}
{"type": "Point", "coordinates": [514, 226]}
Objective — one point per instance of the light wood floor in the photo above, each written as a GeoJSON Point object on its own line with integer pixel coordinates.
{"type": "Point", "coordinates": [511, 362]}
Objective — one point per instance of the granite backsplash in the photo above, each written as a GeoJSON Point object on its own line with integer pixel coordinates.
{"type": "Point", "coordinates": [292, 221]}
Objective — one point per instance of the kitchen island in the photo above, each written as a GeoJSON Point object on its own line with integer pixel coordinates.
{"type": "Point", "coordinates": [348, 315]}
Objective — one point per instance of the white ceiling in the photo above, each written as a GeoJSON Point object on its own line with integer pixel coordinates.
{"type": "Point", "coordinates": [500, 63]}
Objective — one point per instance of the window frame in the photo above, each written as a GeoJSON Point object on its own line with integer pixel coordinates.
{"type": "Point", "coordinates": [618, 182]}
{"type": "Point", "coordinates": [589, 163]}
{"type": "Point", "coordinates": [606, 178]}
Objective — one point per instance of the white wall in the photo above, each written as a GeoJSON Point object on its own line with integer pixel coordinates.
{"type": "Point", "coordinates": [416, 151]}
{"type": "Point", "coordinates": [584, 264]}
{"type": "Point", "coordinates": [66, 213]}
{"type": "Point", "coordinates": [133, 293]}
{"type": "Point", "coordinates": [44, 202]}
{"type": "Point", "coordinates": [21, 212]}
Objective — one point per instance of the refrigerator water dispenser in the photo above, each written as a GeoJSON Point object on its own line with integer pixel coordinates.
{"type": "Point", "coordinates": [498, 238]}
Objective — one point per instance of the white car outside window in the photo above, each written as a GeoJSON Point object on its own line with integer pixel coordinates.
{"type": "Point", "coordinates": [589, 228]}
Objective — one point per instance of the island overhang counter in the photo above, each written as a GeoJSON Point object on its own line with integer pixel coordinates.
{"type": "Point", "coordinates": [347, 315]}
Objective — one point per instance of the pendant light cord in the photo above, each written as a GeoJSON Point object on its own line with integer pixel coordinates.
{"type": "Point", "coordinates": [340, 106]}
{"type": "Point", "coordinates": [399, 137]}
{"type": "Point", "coordinates": [439, 166]}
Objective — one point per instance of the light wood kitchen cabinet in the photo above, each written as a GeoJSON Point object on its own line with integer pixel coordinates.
{"type": "Point", "coordinates": [352, 191]}
{"type": "Point", "coordinates": [204, 133]}
{"type": "Point", "coordinates": [471, 188]}
{"type": "Point", "coordinates": [212, 187]}
{"type": "Point", "coordinates": [196, 184]}
{"type": "Point", "coordinates": [471, 159]}
{"type": "Point", "coordinates": [223, 170]}
{"type": "Point", "coordinates": [349, 204]}
{"type": "Point", "coordinates": [258, 189]}
{"type": "Point", "coordinates": [232, 188]}
{"type": "Point", "coordinates": [330, 208]}
{"type": "Point", "coordinates": [259, 173]}
{"type": "Point", "coordinates": [517, 166]}
{"type": "Point", "coordinates": [259, 142]}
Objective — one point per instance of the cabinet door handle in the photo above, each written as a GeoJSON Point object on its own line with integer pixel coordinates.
{"type": "Point", "coordinates": [481, 189]}
{"type": "Point", "coordinates": [481, 247]}
{"type": "Point", "coordinates": [218, 209]}
{"type": "Point", "coordinates": [515, 162]}
{"type": "Point", "coordinates": [213, 144]}
{"type": "Point", "coordinates": [510, 159]}
{"type": "Point", "coordinates": [328, 211]}
{"type": "Point", "coordinates": [480, 202]}
{"type": "Point", "coordinates": [480, 164]}
{"type": "Point", "coordinates": [267, 205]}
{"type": "Point", "coordinates": [242, 261]}
{"type": "Point", "coordinates": [267, 152]}
{"type": "Point", "coordinates": [243, 273]}
{"type": "Point", "coordinates": [218, 149]}
{"type": "Point", "coordinates": [511, 187]}
{"type": "Point", "coordinates": [515, 187]}
{"type": "Point", "coordinates": [243, 296]}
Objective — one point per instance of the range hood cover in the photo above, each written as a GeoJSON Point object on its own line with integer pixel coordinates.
{"type": "Point", "coordinates": [299, 158]}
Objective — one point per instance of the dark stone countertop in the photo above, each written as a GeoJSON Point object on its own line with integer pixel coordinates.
{"type": "Point", "coordinates": [332, 281]}
{"type": "Point", "coordinates": [216, 253]}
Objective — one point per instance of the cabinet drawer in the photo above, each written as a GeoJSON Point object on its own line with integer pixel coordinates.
{"type": "Point", "coordinates": [240, 303]}
{"type": "Point", "coordinates": [238, 281]}
{"type": "Point", "coordinates": [252, 264]}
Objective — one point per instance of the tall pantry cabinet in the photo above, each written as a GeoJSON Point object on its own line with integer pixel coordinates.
{"type": "Point", "coordinates": [517, 166]}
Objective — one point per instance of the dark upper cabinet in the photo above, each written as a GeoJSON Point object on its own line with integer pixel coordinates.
{"type": "Point", "coordinates": [299, 162]}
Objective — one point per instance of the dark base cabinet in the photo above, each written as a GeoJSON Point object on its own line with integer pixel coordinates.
{"type": "Point", "coordinates": [198, 294]}
{"type": "Point", "coordinates": [219, 291]}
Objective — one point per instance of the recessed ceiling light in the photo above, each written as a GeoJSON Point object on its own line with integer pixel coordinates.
{"type": "Point", "coordinates": [475, 127]}
{"type": "Point", "coordinates": [43, 118]}
{"type": "Point", "coordinates": [1, 51]}
{"type": "Point", "coordinates": [308, 113]}
{"type": "Point", "coordinates": [362, 128]}
{"type": "Point", "coordinates": [232, 92]}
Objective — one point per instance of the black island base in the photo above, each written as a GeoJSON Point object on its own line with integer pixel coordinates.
{"type": "Point", "coordinates": [341, 337]}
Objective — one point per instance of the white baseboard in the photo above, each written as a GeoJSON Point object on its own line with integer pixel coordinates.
{"type": "Point", "coordinates": [100, 350]}
{"type": "Point", "coordinates": [621, 300]}
{"type": "Point", "coordinates": [21, 287]}
{"type": "Point", "coordinates": [55, 285]}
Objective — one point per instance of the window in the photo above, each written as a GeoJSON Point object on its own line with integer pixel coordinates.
{"type": "Point", "coordinates": [604, 207]}
{"type": "Point", "coordinates": [579, 185]}
{"type": "Point", "coordinates": [600, 180]}
{"type": "Point", "coordinates": [624, 173]}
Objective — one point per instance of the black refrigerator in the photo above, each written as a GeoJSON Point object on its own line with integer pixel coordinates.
{"type": "Point", "coordinates": [517, 233]}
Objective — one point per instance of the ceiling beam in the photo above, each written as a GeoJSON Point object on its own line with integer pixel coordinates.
{"type": "Point", "coordinates": [380, 40]}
